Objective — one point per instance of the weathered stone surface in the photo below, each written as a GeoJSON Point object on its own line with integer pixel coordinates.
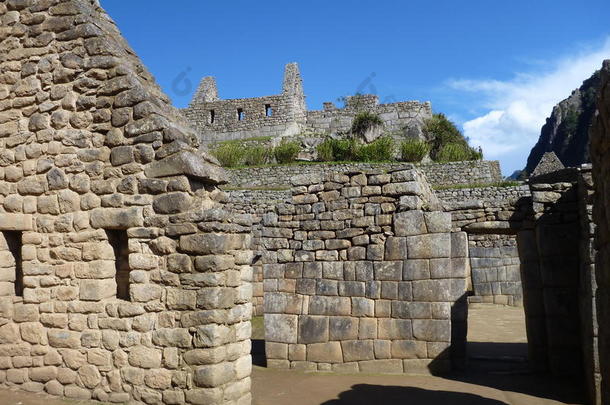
{"type": "Point", "coordinates": [187, 163]}
{"type": "Point", "coordinates": [172, 203]}
{"type": "Point", "coordinates": [330, 352]}
{"type": "Point", "coordinates": [211, 243]}
{"type": "Point", "coordinates": [145, 357]}
{"type": "Point", "coordinates": [429, 246]}
{"type": "Point", "coordinates": [409, 223]}
{"type": "Point", "coordinates": [312, 329]}
{"type": "Point", "coordinates": [116, 218]}
{"type": "Point", "coordinates": [281, 328]}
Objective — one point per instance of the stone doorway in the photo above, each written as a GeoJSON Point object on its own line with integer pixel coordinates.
{"type": "Point", "coordinates": [496, 338]}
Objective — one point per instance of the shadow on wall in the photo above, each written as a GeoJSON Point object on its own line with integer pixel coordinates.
{"type": "Point", "coordinates": [366, 394]}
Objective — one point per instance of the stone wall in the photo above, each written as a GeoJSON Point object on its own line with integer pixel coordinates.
{"type": "Point", "coordinates": [600, 141]}
{"type": "Point", "coordinates": [437, 174]}
{"type": "Point", "coordinates": [496, 277]}
{"type": "Point", "coordinates": [123, 279]}
{"type": "Point", "coordinates": [286, 114]}
{"type": "Point", "coordinates": [404, 118]}
{"type": "Point", "coordinates": [549, 248]}
{"type": "Point", "coordinates": [492, 217]}
{"type": "Point", "coordinates": [363, 274]}
{"type": "Point", "coordinates": [275, 116]}
{"type": "Point", "coordinates": [588, 286]}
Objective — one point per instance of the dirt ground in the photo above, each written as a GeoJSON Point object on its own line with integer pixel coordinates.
{"type": "Point", "coordinates": [496, 375]}
{"type": "Point", "coordinates": [496, 332]}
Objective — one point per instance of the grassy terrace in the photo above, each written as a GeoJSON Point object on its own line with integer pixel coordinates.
{"type": "Point", "coordinates": [501, 184]}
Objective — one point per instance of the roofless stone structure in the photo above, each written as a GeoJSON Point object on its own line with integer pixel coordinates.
{"type": "Point", "coordinates": [121, 278]}
{"type": "Point", "coordinates": [124, 279]}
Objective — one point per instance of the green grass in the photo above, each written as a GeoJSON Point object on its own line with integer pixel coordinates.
{"type": "Point", "coordinates": [253, 139]}
{"type": "Point", "coordinates": [478, 185]}
{"type": "Point", "coordinates": [258, 327]}
{"type": "Point", "coordinates": [259, 188]}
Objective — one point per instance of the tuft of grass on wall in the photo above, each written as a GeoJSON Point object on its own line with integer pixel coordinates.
{"type": "Point", "coordinates": [286, 152]}
{"type": "Point", "coordinates": [414, 150]}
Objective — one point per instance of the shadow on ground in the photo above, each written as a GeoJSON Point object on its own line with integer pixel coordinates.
{"type": "Point", "coordinates": [504, 366]}
{"type": "Point", "coordinates": [366, 394]}
{"type": "Point", "coordinates": [258, 353]}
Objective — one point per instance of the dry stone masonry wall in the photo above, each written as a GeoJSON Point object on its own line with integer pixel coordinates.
{"type": "Point", "coordinates": [286, 114]}
{"type": "Point", "coordinates": [496, 277]}
{"type": "Point", "coordinates": [274, 116]}
{"type": "Point", "coordinates": [123, 279]}
{"type": "Point", "coordinates": [363, 273]}
{"type": "Point", "coordinates": [492, 217]}
{"type": "Point", "coordinates": [600, 145]}
{"type": "Point", "coordinates": [437, 174]}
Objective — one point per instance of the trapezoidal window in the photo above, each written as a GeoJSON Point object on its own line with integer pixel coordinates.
{"type": "Point", "coordinates": [241, 115]}
{"type": "Point", "coordinates": [268, 110]}
{"type": "Point", "coordinates": [119, 241]}
{"type": "Point", "coordinates": [211, 117]}
{"type": "Point", "coordinates": [12, 269]}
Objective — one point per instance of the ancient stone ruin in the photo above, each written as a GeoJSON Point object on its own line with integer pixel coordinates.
{"type": "Point", "coordinates": [127, 274]}
{"type": "Point", "coordinates": [286, 114]}
{"type": "Point", "coordinates": [122, 278]}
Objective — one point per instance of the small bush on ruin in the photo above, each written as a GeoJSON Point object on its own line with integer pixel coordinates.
{"type": "Point", "coordinates": [337, 150]}
{"type": "Point", "coordinates": [326, 151]}
{"type": "Point", "coordinates": [286, 152]}
{"type": "Point", "coordinates": [256, 155]}
{"type": "Point", "coordinates": [414, 150]}
{"type": "Point", "coordinates": [229, 154]}
{"type": "Point", "coordinates": [447, 142]}
{"type": "Point", "coordinates": [363, 122]}
{"type": "Point", "coordinates": [380, 150]}
{"type": "Point", "coordinates": [455, 152]}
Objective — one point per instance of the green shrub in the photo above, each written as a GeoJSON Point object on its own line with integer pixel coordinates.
{"type": "Point", "coordinates": [256, 155]}
{"type": "Point", "coordinates": [326, 151]}
{"type": "Point", "coordinates": [455, 152]}
{"type": "Point", "coordinates": [363, 121]}
{"type": "Point", "coordinates": [413, 150]}
{"type": "Point", "coordinates": [340, 150]}
{"type": "Point", "coordinates": [447, 144]}
{"type": "Point", "coordinates": [337, 150]}
{"type": "Point", "coordinates": [380, 150]}
{"type": "Point", "coordinates": [286, 152]}
{"type": "Point", "coordinates": [229, 154]}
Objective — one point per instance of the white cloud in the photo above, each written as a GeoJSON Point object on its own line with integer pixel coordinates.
{"type": "Point", "coordinates": [515, 110]}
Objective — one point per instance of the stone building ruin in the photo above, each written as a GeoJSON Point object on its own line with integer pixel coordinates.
{"type": "Point", "coordinates": [286, 114]}
{"type": "Point", "coordinates": [127, 273]}
{"type": "Point", "coordinates": [122, 277]}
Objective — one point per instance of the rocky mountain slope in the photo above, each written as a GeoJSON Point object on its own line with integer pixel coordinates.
{"type": "Point", "coordinates": [566, 131]}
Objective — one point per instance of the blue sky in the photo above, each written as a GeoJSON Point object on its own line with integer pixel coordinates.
{"type": "Point", "coordinates": [495, 67]}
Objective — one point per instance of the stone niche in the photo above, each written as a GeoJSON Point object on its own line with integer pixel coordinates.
{"type": "Point", "coordinates": [363, 273]}
{"type": "Point", "coordinates": [122, 278]}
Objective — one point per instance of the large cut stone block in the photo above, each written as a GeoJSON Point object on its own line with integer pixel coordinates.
{"type": "Point", "coordinates": [187, 163]}
{"type": "Point", "coordinates": [357, 350]}
{"type": "Point", "coordinates": [281, 328]}
{"type": "Point", "coordinates": [409, 223]}
{"type": "Point", "coordinates": [432, 330]}
{"type": "Point", "coordinates": [116, 218]}
{"type": "Point", "coordinates": [437, 290]}
{"type": "Point", "coordinates": [325, 352]}
{"type": "Point", "coordinates": [96, 290]}
{"type": "Point", "coordinates": [429, 246]}
{"type": "Point", "coordinates": [212, 243]}
{"type": "Point", "coordinates": [313, 329]}
{"type": "Point", "coordinates": [15, 222]}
